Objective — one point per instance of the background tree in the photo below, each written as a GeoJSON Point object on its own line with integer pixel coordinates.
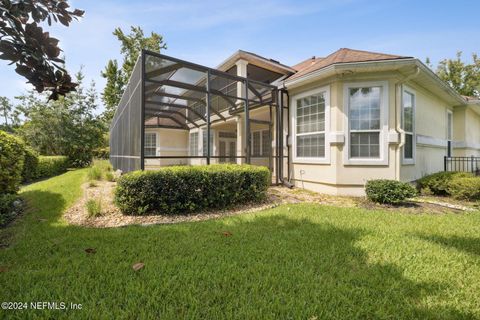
{"type": "Point", "coordinates": [33, 51]}
{"type": "Point", "coordinates": [461, 76]}
{"type": "Point", "coordinates": [67, 126]}
{"type": "Point", "coordinates": [131, 46]}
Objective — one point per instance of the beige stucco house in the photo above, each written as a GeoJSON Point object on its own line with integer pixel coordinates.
{"type": "Point", "coordinates": [347, 118]}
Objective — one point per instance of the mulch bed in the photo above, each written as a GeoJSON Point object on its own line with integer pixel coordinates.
{"type": "Point", "coordinates": [112, 216]}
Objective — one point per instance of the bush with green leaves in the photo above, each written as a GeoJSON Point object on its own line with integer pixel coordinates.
{"type": "Point", "coordinates": [465, 188]}
{"type": "Point", "coordinates": [389, 191]}
{"type": "Point", "coordinates": [30, 165]}
{"type": "Point", "coordinates": [49, 166]}
{"type": "Point", "coordinates": [12, 157]}
{"type": "Point", "coordinates": [438, 183]}
{"type": "Point", "coordinates": [184, 189]}
{"type": "Point", "coordinates": [10, 207]}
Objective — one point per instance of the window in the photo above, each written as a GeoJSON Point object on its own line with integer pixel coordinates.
{"type": "Point", "coordinates": [266, 143]}
{"type": "Point", "coordinates": [310, 121]}
{"type": "Point", "coordinates": [367, 123]}
{"type": "Point", "coordinates": [150, 144]}
{"type": "Point", "coordinates": [256, 144]}
{"type": "Point", "coordinates": [449, 132]}
{"type": "Point", "coordinates": [261, 143]}
{"type": "Point", "coordinates": [408, 125]}
{"type": "Point", "coordinates": [193, 144]}
{"type": "Point", "coordinates": [204, 142]}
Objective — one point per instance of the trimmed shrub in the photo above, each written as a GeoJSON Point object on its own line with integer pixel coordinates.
{"type": "Point", "coordinates": [10, 207]}
{"type": "Point", "coordinates": [465, 188]}
{"type": "Point", "coordinates": [184, 189]}
{"type": "Point", "coordinates": [389, 191]}
{"type": "Point", "coordinates": [11, 162]}
{"type": "Point", "coordinates": [49, 166]}
{"type": "Point", "coordinates": [30, 165]}
{"type": "Point", "coordinates": [438, 183]}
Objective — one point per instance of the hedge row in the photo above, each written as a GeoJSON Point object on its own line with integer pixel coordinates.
{"type": "Point", "coordinates": [185, 189]}
{"type": "Point", "coordinates": [460, 185]}
{"type": "Point", "coordinates": [49, 166]}
{"type": "Point", "coordinates": [12, 157]}
{"type": "Point", "coordinates": [20, 163]}
{"type": "Point", "coordinates": [439, 183]}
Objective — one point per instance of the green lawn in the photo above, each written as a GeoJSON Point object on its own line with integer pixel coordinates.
{"type": "Point", "coordinates": [297, 261]}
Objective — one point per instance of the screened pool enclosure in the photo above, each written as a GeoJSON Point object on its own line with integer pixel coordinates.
{"type": "Point", "coordinates": [177, 112]}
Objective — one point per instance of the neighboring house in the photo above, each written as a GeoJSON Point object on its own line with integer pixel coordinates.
{"type": "Point", "coordinates": [347, 118]}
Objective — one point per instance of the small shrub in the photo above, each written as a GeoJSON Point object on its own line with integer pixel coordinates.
{"type": "Point", "coordinates": [10, 206]}
{"type": "Point", "coordinates": [389, 191]}
{"type": "Point", "coordinates": [109, 176]}
{"type": "Point", "coordinates": [439, 182]}
{"type": "Point", "coordinates": [12, 157]}
{"type": "Point", "coordinates": [184, 189]}
{"type": "Point", "coordinates": [30, 165]}
{"type": "Point", "coordinates": [49, 166]}
{"type": "Point", "coordinates": [94, 207]}
{"type": "Point", "coordinates": [94, 173]}
{"type": "Point", "coordinates": [465, 188]}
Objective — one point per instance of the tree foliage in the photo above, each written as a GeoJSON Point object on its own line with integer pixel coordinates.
{"type": "Point", "coordinates": [131, 46]}
{"type": "Point", "coordinates": [461, 76]}
{"type": "Point", "coordinates": [33, 51]}
{"type": "Point", "coordinates": [67, 126]}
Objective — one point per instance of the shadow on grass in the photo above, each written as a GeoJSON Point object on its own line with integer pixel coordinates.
{"type": "Point", "coordinates": [465, 244]}
{"type": "Point", "coordinates": [273, 265]}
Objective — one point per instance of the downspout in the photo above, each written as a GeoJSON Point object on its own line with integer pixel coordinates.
{"type": "Point", "coordinates": [398, 117]}
{"type": "Point", "coordinates": [283, 91]}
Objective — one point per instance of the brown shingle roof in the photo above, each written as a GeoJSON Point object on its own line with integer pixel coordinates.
{"type": "Point", "coordinates": [342, 55]}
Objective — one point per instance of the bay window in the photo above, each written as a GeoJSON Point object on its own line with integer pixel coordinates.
{"type": "Point", "coordinates": [367, 109]}
{"type": "Point", "coordinates": [408, 126]}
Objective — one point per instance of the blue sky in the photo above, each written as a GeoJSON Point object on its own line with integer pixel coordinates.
{"type": "Point", "coordinates": [207, 32]}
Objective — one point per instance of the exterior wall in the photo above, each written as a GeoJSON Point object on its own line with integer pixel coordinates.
{"type": "Point", "coordinates": [170, 142]}
{"type": "Point", "coordinates": [467, 131]}
{"type": "Point", "coordinates": [335, 176]}
{"type": "Point", "coordinates": [431, 135]}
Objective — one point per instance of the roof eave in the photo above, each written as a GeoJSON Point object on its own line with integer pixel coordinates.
{"type": "Point", "coordinates": [334, 68]}
{"type": "Point", "coordinates": [240, 54]}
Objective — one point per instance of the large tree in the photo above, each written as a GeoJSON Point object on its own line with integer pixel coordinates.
{"type": "Point", "coordinates": [461, 76]}
{"type": "Point", "coordinates": [131, 46]}
{"type": "Point", "coordinates": [33, 51]}
{"type": "Point", "coordinates": [68, 126]}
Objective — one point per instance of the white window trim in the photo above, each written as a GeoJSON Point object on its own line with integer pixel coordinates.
{"type": "Point", "coordinates": [446, 135]}
{"type": "Point", "coordinates": [156, 142]}
{"type": "Point", "coordinates": [262, 155]}
{"type": "Point", "coordinates": [383, 139]}
{"type": "Point", "coordinates": [410, 161]}
{"type": "Point", "coordinates": [198, 142]}
{"type": "Point", "coordinates": [316, 160]}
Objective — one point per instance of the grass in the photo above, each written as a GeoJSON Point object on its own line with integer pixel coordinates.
{"type": "Point", "coordinates": [295, 261]}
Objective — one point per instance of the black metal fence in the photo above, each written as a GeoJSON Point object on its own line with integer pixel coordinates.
{"type": "Point", "coordinates": [465, 164]}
